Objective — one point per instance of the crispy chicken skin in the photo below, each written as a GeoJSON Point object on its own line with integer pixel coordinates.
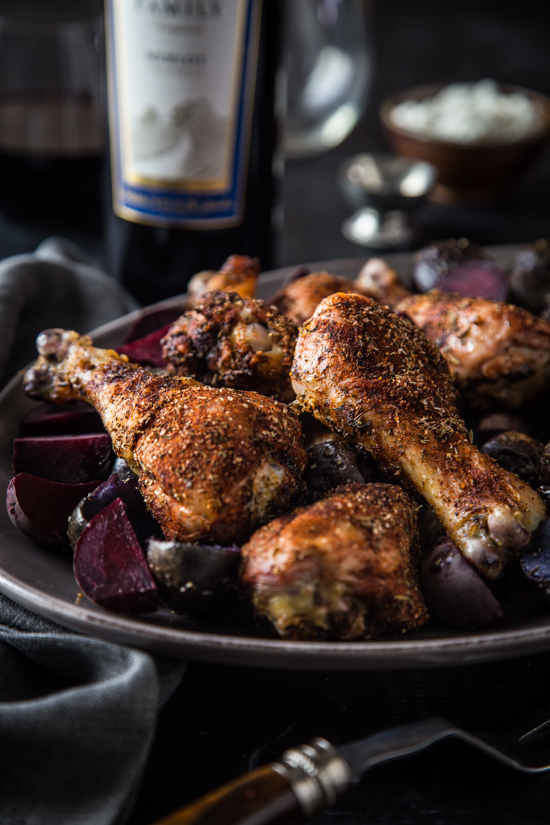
{"type": "Point", "coordinates": [213, 464]}
{"type": "Point", "coordinates": [499, 354]}
{"type": "Point", "coordinates": [238, 274]}
{"type": "Point", "coordinates": [375, 378]}
{"type": "Point", "coordinates": [342, 568]}
{"type": "Point", "coordinates": [229, 341]}
{"type": "Point", "coordinates": [300, 299]}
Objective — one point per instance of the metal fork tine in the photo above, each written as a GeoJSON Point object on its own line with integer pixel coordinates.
{"type": "Point", "coordinates": [506, 744]}
{"type": "Point", "coordinates": [510, 753]}
{"type": "Point", "coordinates": [525, 727]}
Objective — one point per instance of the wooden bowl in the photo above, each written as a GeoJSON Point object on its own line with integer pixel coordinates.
{"type": "Point", "coordinates": [466, 173]}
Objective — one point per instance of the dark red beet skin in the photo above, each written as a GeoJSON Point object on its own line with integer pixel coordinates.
{"type": "Point", "coordinates": [476, 279]}
{"type": "Point", "coordinates": [109, 564]}
{"type": "Point", "coordinates": [146, 351]}
{"type": "Point", "coordinates": [40, 509]}
{"type": "Point", "coordinates": [68, 459]}
{"type": "Point", "coordinates": [151, 321]}
{"type": "Point", "coordinates": [61, 419]}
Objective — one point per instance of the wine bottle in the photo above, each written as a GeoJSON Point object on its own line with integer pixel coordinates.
{"type": "Point", "coordinates": [193, 133]}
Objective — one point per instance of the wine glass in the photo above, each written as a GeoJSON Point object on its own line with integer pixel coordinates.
{"type": "Point", "coordinates": [328, 69]}
{"type": "Point", "coordinates": [51, 134]}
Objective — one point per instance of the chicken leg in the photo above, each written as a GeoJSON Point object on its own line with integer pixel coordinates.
{"type": "Point", "coordinates": [213, 464]}
{"type": "Point", "coordinates": [498, 353]}
{"type": "Point", "coordinates": [342, 568]}
{"type": "Point", "coordinates": [377, 380]}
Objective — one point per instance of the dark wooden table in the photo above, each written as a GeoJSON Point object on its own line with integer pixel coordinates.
{"type": "Point", "coordinates": [224, 720]}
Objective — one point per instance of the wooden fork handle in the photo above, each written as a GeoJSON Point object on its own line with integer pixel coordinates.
{"type": "Point", "coordinates": [261, 797]}
{"type": "Point", "coordinates": [305, 780]}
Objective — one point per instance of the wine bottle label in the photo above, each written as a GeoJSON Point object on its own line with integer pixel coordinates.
{"type": "Point", "coordinates": [181, 88]}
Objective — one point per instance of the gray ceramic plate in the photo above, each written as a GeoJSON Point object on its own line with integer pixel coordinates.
{"type": "Point", "coordinates": [42, 581]}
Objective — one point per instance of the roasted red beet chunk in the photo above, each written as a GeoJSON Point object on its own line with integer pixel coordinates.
{"type": "Point", "coordinates": [68, 459]}
{"type": "Point", "coordinates": [66, 419]}
{"type": "Point", "coordinates": [146, 351]}
{"type": "Point", "coordinates": [40, 508]}
{"type": "Point", "coordinates": [109, 564]}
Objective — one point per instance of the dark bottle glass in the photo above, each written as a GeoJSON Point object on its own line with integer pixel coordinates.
{"type": "Point", "coordinates": [154, 258]}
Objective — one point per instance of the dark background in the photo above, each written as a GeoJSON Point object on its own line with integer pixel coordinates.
{"type": "Point", "coordinates": [415, 42]}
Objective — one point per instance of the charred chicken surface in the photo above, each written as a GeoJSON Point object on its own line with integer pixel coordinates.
{"type": "Point", "coordinates": [213, 464]}
{"type": "Point", "coordinates": [229, 341]}
{"type": "Point", "coordinates": [375, 378]}
{"type": "Point", "coordinates": [342, 568]}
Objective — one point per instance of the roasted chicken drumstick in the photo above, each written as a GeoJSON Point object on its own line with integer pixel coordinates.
{"type": "Point", "coordinates": [300, 299]}
{"type": "Point", "coordinates": [499, 354]}
{"type": "Point", "coordinates": [375, 378]}
{"type": "Point", "coordinates": [213, 464]}
{"type": "Point", "coordinates": [342, 568]}
{"type": "Point", "coordinates": [238, 274]}
{"type": "Point", "coordinates": [229, 341]}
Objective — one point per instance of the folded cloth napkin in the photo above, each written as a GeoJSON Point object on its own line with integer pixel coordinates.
{"type": "Point", "coordinates": [77, 714]}
{"type": "Point", "coordinates": [58, 285]}
{"type": "Point", "coordinates": [77, 719]}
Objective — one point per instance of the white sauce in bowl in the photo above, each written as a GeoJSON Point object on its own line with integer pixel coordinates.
{"type": "Point", "coordinates": [471, 113]}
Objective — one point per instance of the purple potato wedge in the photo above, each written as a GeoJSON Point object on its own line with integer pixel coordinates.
{"type": "Point", "coordinates": [530, 277]}
{"type": "Point", "coordinates": [476, 279]}
{"type": "Point", "coordinates": [543, 469]}
{"type": "Point", "coordinates": [496, 423]}
{"type": "Point", "coordinates": [544, 493]}
{"type": "Point", "coordinates": [40, 508]}
{"type": "Point", "coordinates": [333, 463]}
{"type": "Point", "coordinates": [145, 526]}
{"type": "Point", "coordinates": [516, 452]}
{"type": "Point", "coordinates": [76, 417]}
{"type": "Point", "coordinates": [192, 579]}
{"type": "Point", "coordinates": [146, 351]}
{"type": "Point", "coordinates": [67, 459]}
{"type": "Point", "coordinates": [109, 565]}
{"type": "Point", "coordinates": [123, 469]}
{"type": "Point", "coordinates": [152, 320]}
{"type": "Point", "coordinates": [454, 592]}
{"type": "Point", "coordinates": [535, 562]}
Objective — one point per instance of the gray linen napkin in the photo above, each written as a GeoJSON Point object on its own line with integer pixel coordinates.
{"type": "Point", "coordinates": [55, 286]}
{"type": "Point", "coordinates": [77, 719]}
{"type": "Point", "coordinates": [77, 714]}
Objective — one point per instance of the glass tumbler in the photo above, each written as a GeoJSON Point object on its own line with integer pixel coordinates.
{"type": "Point", "coordinates": [51, 136]}
{"type": "Point", "coordinates": [328, 68]}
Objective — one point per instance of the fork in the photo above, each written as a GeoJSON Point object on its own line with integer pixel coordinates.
{"type": "Point", "coordinates": [310, 777]}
